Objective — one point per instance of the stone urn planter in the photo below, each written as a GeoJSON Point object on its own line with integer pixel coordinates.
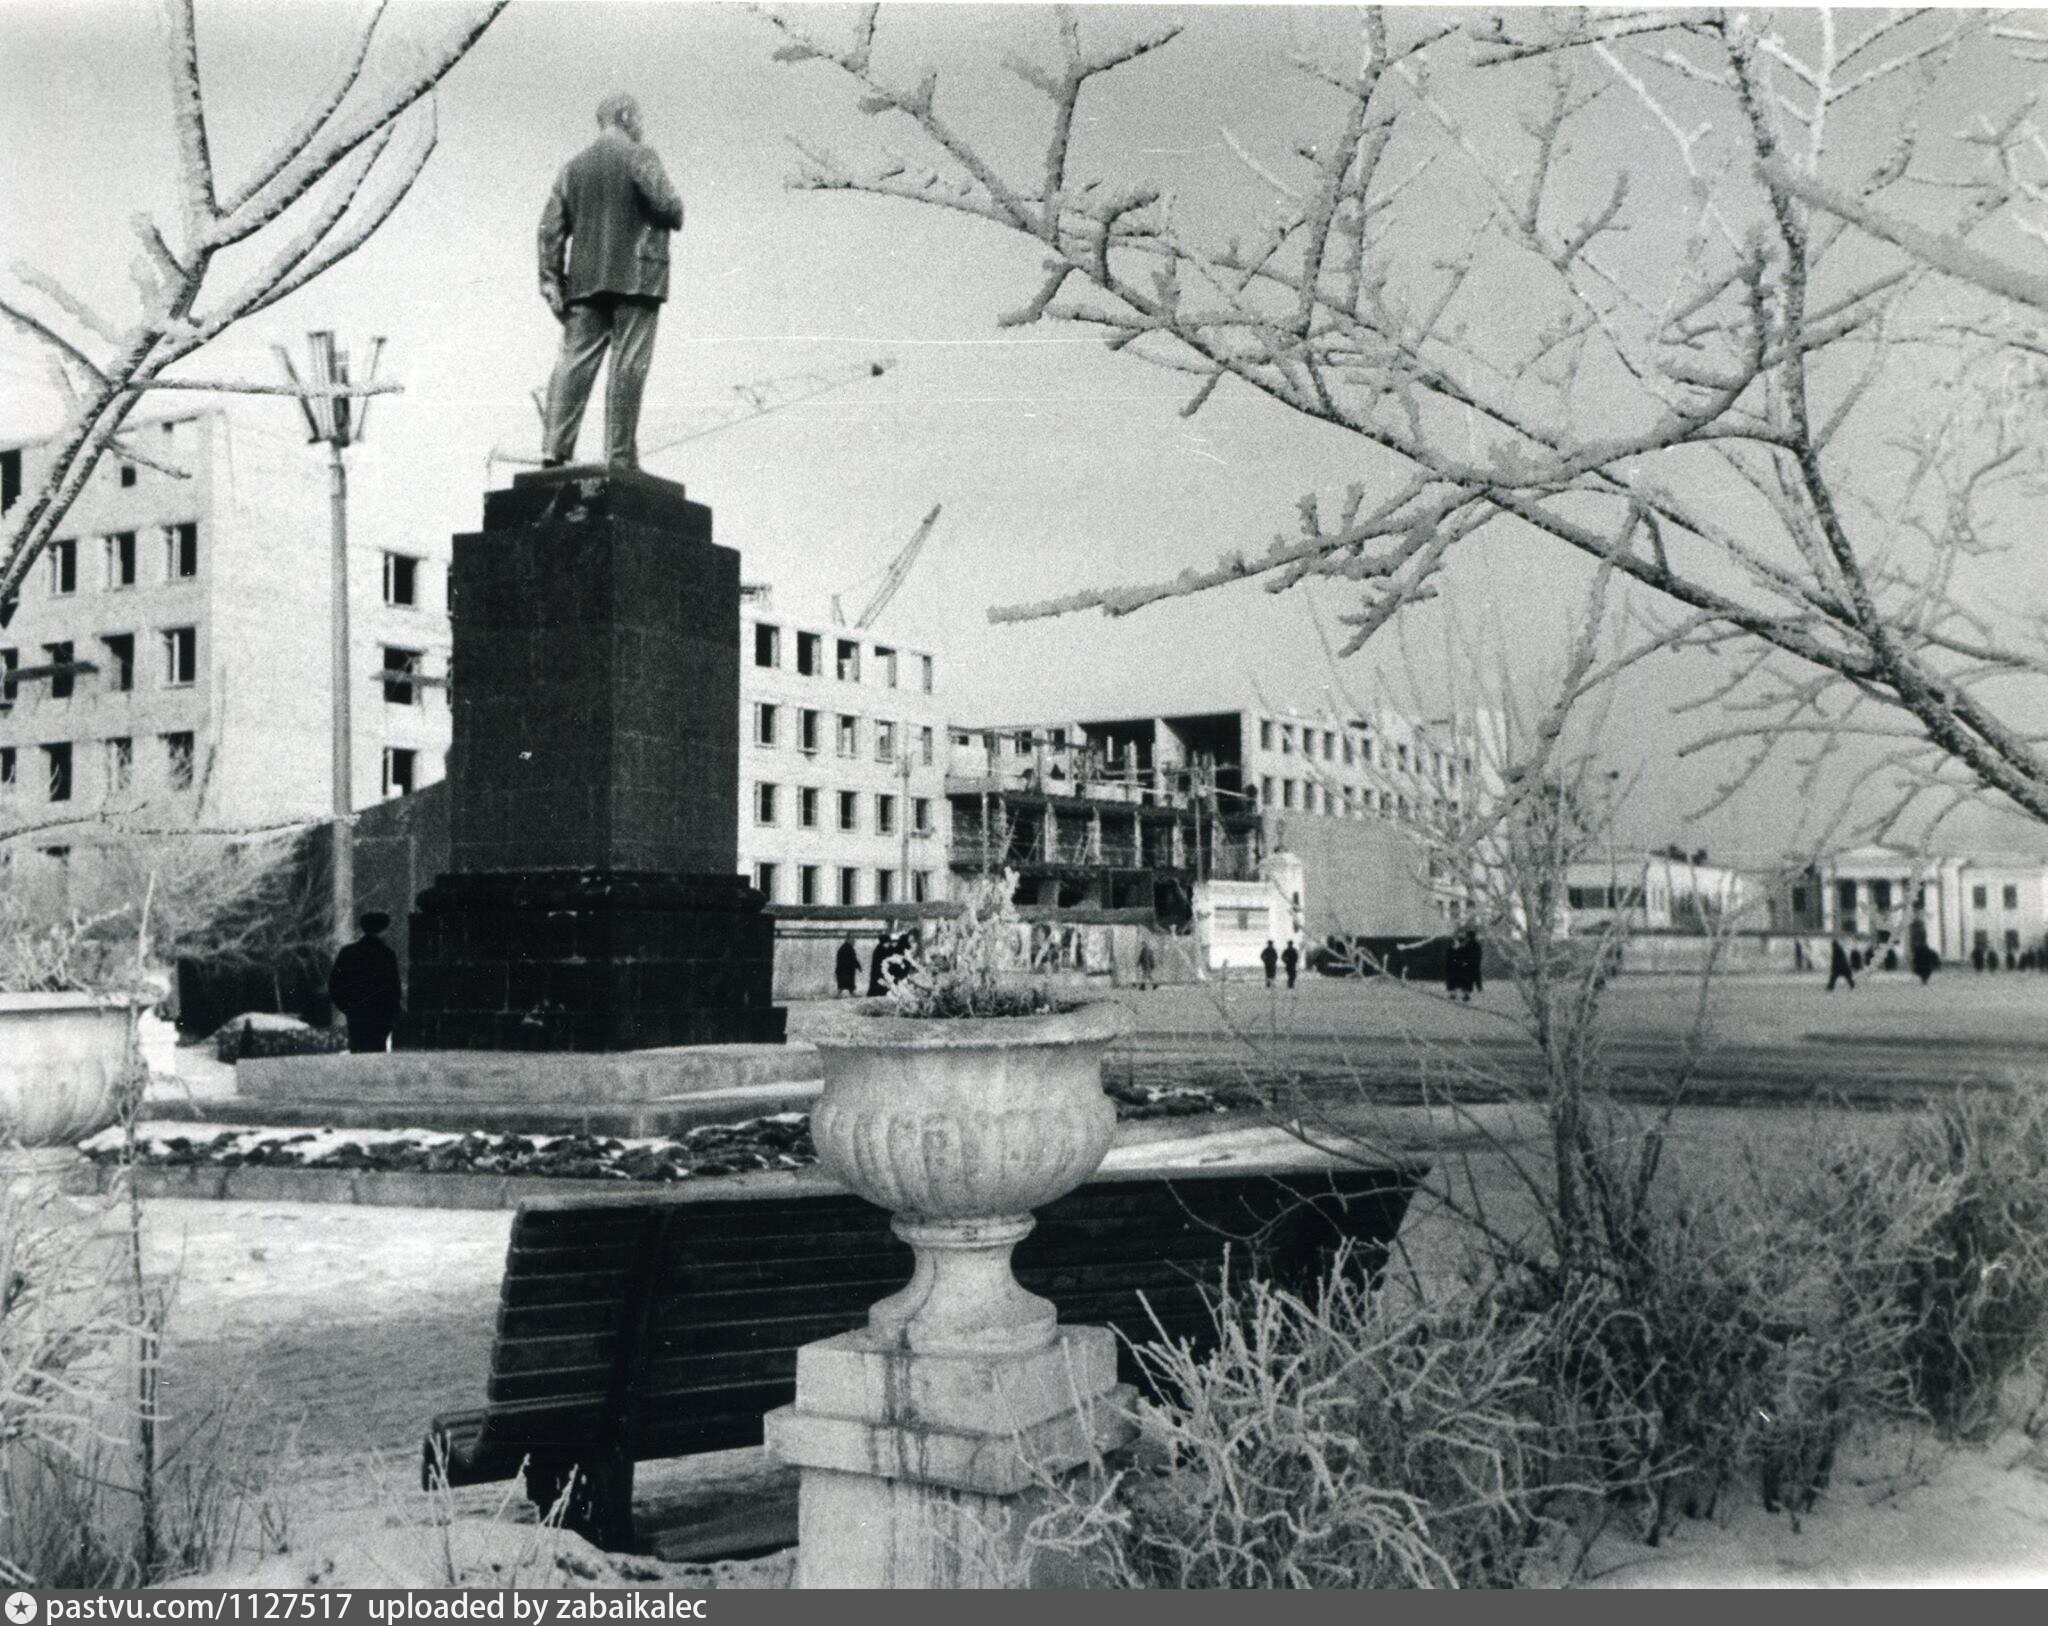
{"type": "Point", "coordinates": [62, 1060]}
{"type": "Point", "coordinates": [960, 1127]}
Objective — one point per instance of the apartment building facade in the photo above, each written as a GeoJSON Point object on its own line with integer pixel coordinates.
{"type": "Point", "coordinates": [169, 657]}
{"type": "Point", "coordinates": [842, 764]}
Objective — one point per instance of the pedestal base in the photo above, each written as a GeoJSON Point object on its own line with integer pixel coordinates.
{"type": "Point", "coordinates": [923, 1470]}
{"type": "Point", "coordinates": [590, 960]}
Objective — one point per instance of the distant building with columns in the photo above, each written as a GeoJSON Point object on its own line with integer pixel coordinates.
{"type": "Point", "coordinates": [1996, 901]}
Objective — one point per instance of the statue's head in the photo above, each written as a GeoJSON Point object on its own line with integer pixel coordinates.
{"type": "Point", "coordinates": [619, 111]}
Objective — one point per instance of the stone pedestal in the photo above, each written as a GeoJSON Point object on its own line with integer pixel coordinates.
{"type": "Point", "coordinates": [592, 901]}
{"type": "Point", "coordinates": [924, 1470]}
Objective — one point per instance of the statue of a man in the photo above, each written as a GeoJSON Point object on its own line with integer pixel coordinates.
{"type": "Point", "coordinates": [611, 210]}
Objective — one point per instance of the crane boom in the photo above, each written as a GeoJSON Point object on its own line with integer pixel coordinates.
{"type": "Point", "coordinates": [899, 567]}
{"type": "Point", "coordinates": [756, 400]}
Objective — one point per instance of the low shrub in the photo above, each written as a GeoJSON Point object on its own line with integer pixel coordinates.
{"type": "Point", "coordinates": [245, 1041]}
{"type": "Point", "coordinates": [1349, 1440]}
{"type": "Point", "coordinates": [1979, 1300]}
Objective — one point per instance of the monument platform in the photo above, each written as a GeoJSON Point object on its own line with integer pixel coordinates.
{"type": "Point", "coordinates": [628, 1093]}
{"type": "Point", "coordinates": [592, 902]}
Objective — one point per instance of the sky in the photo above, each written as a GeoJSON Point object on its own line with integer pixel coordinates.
{"type": "Point", "coordinates": [1057, 463]}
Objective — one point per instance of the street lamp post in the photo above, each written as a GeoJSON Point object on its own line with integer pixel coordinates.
{"type": "Point", "coordinates": [337, 420]}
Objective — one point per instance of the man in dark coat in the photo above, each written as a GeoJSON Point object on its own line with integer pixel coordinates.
{"type": "Point", "coordinates": [365, 988]}
{"type": "Point", "coordinates": [1838, 965]}
{"type": "Point", "coordinates": [846, 971]}
{"type": "Point", "coordinates": [1925, 960]}
{"type": "Point", "coordinates": [604, 274]}
{"type": "Point", "coordinates": [1292, 960]}
{"type": "Point", "coordinates": [878, 963]}
{"type": "Point", "coordinates": [1269, 957]}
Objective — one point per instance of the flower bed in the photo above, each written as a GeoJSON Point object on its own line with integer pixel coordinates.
{"type": "Point", "coordinates": [780, 1141]}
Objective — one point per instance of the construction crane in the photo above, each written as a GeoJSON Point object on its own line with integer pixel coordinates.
{"type": "Point", "coordinates": [892, 578]}
{"type": "Point", "coordinates": [751, 401]}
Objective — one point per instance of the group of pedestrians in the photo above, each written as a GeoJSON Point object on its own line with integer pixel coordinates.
{"type": "Point", "coordinates": [888, 964]}
{"type": "Point", "coordinates": [1273, 959]}
{"type": "Point", "coordinates": [1845, 961]}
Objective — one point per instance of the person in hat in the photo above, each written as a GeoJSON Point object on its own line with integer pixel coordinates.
{"type": "Point", "coordinates": [365, 988]}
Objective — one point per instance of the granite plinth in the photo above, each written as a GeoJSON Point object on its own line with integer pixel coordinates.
{"type": "Point", "coordinates": [597, 698]}
{"type": "Point", "coordinates": [590, 960]}
{"type": "Point", "coordinates": [590, 902]}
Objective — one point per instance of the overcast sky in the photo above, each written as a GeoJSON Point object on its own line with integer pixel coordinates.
{"type": "Point", "coordinates": [1057, 463]}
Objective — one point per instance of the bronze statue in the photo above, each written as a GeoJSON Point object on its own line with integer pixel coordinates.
{"type": "Point", "coordinates": [611, 210]}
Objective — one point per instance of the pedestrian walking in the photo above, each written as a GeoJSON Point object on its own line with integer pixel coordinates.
{"type": "Point", "coordinates": [365, 986]}
{"type": "Point", "coordinates": [1839, 968]}
{"type": "Point", "coordinates": [1292, 960]}
{"type": "Point", "coordinates": [1924, 958]}
{"type": "Point", "coordinates": [846, 969]}
{"type": "Point", "coordinates": [1269, 957]}
{"type": "Point", "coordinates": [1145, 962]}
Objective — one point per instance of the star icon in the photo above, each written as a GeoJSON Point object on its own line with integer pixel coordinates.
{"type": "Point", "coordinates": [21, 1608]}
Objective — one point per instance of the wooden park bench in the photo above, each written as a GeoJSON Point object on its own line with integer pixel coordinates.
{"type": "Point", "coordinates": [640, 1325]}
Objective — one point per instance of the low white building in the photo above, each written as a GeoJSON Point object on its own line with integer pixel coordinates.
{"type": "Point", "coordinates": [1235, 920]}
{"type": "Point", "coordinates": [1873, 895]}
{"type": "Point", "coordinates": [1660, 892]}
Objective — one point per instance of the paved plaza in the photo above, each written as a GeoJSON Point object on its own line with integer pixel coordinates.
{"type": "Point", "coordinates": [329, 1333]}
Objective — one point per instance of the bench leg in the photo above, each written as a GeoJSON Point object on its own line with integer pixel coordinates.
{"type": "Point", "coordinates": [600, 1505]}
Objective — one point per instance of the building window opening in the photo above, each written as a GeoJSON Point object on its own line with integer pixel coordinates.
{"type": "Point", "coordinates": [178, 755]}
{"type": "Point", "coordinates": [63, 674]}
{"type": "Point", "coordinates": [401, 666]}
{"type": "Point", "coordinates": [181, 657]}
{"type": "Point", "coordinates": [401, 581]}
{"type": "Point", "coordinates": [127, 474]}
{"type": "Point", "coordinates": [807, 807]}
{"type": "Point", "coordinates": [181, 552]}
{"type": "Point", "coordinates": [885, 886]}
{"type": "Point", "coordinates": [885, 815]}
{"type": "Point", "coordinates": [57, 771]}
{"type": "Point", "coordinates": [764, 724]}
{"type": "Point", "coordinates": [120, 561]}
{"type": "Point", "coordinates": [849, 887]}
{"type": "Point", "coordinates": [2010, 896]}
{"type": "Point", "coordinates": [920, 886]}
{"type": "Point", "coordinates": [767, 644]}
{"type": "Point", "coordinates": [886, 660]}
{"type": "Point", "coordinates": [921, 815]}
{"type": "Point", "coordinates": [885, 742]}
{"type": "Point", "coordinates": [849, 810]}
{"type": "Point", "coordinates": [849, 661]}
{"type": "Point", "coordinates": [401, 771]}
{"type": "Point", "coordinates": [807, 883]}
{"type": "Point", "coordinates": [764, 803]}
{"type": "Point", "coordinates": [63, 568]}
{"type": "Point", "coordinates": [810, 654]}
{"type": "Point", "coordinates": [927, 745]}
{"type": "Point", "coordinates": [764, 881]}
{"type": "Point", "coordinates": [928, 674]}
{"type": "Point", "coordinates": [849, 736]}
{"type": "Point", "coordinates": [8, 770]}
{"type": "Point", "coordinates": [120, 763]}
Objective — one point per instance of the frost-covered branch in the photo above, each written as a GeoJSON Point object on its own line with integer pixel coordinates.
{"type": "Point", "coordinates": [341, 159]}
{"type": "Point", "coordinates": [1641, 315]}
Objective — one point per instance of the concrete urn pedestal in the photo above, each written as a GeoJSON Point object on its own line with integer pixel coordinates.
{"type": "Point", "coordinates": [62, 1059]}
{"type": "Point", "coordinates": [924, 1437]}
